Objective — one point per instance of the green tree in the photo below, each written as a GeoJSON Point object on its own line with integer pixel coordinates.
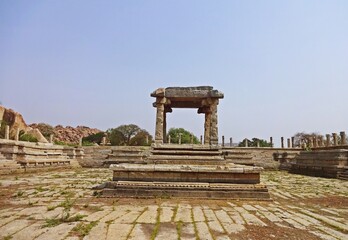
{"type": "Point", "coordinates": [128, 131]}
{"type": "Point", "coordinates": [94, 138]}
{"type": "Point", "coordinates": [253, 143]}
{"type": "Point", "coordinates": [140, 139]}
{"type": "Point", "coordinates": [116, 137]}
{"type": "Point", "coordinates": [185, 137]}
{"type": "Point", "coordinates": [130, 135]}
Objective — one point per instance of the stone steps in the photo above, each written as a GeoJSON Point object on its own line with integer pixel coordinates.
{"type": "Point", "coordinates": [185, 152]}
{"type": "Point", "coordinates": [343, 174]}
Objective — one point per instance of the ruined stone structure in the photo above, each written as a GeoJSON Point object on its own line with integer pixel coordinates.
{"type": "Point", "coordinates": [19, 156]}
{"type": "Point", "coordinates": [204, 99]}
{"type": "Point", "coordinates": [185, 170]}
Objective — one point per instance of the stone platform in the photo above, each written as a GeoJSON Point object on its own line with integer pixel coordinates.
{"type": "Point", "coordinates": [186, 181]}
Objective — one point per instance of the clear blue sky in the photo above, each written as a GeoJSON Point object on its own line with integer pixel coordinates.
{"type": "Point", "coordinates": [282, 65]}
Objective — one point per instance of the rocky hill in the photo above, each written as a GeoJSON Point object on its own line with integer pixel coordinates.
{"type": "Point", "coordinates": [66, 134]}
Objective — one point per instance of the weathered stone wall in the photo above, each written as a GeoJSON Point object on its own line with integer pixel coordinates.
{"type": "Point", "coordinates": [103, 156]}
{"type": "Point", "coordinates": [321, 163]}
{"type": "Point", "coordinates": [261, 157]}
{"type": "Point", "coordinates": [19, 156]}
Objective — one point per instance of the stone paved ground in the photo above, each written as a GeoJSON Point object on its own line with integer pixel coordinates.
{"type": "Point", "coordinates": [61, 205]}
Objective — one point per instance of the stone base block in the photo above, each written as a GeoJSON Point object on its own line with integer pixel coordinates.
{"type": "Point", "coordinates": [185, 190]}
{"type": "Point", "coordinates": [237, 174]}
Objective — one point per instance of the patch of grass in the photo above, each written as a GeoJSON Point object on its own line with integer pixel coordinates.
{"type": "Point", "coordinates": [83, 229]}
{"type": "Point", "coordinates": [96, 208]}
{"type": "Point", "coordinates": [40, 189]}
{"type": "Point", "coordinates": [19, 193]}
{"type": "Point", "coordinates": [194, 225]}
{"type": "Point", "coordinates": [52, 222]}
{"type": "Point", "coordinates": [158, 223]}
{"type": "Point", "coordinates": [16, 178]}
{"type": "Point", "coordinates": [57, 176]}
{"type": "Point", "coordinates": [51, 208]}
{"type": "Point", "coordinates": [8, 237]}
{"type": "Point", "coordinates": [68, 194]}
{"type": "Point", "coordinates": [175, 211]}
{"type": "Point", "coordinates": [179, 229]}
{"type": "Point", "coordinates": [30, 203]}
{"type": "Point", "coordinates": [135, 221]}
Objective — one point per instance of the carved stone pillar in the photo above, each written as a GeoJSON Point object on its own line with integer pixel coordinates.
{"type": "Point", "coordinates": [282, 142]}
{"type": "Point", "coordinates": [51, 138]}
{"type": "Point", "coordinates": [328, 142]}
{"type": "Point", "coordinates": [223, 141]}
{"type": "Point", "coordinates": [293, 142]}
{"type": "Point", "coordinates": [343, 138]}
{"type": "Point", "coordinates": [17, 134]}
{"type": "Point", "coordinates": [7, 132]}
{"type": "Point", "coordinates": [271, 141]}
{"type": "Point", "coordinates": [288, 140]}
{"type": "Point", "coordinates": [159, 123]}
{"type": "Point", "coordinates": [335, 140]}
{"type": "Point", "coordinates": [231, 142]}
{"type": "Point", "coordinates": [207, 125]}
{"type": "Point", "coordinates": [310, 142]}
{"type": "Point", "coordinates": [214, 137]}
{"type": "Point", "coordinates": [201, 139]}
{"type": "Point", "coordinates": [315, 142]}
{"type": "Point", "coordinates": [164, 127]}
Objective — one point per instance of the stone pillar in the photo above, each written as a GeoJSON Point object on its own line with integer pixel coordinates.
{"type": "Point", "coordinates": [343, 138]}
{"type": "Point", "coordinates": [335, 140]}
{"type": "Point", "coordinates": [246, 142]}
{"type": "Point", "coordinates": [214, 136]}
{"type": "Point", "coordinates": [147, 139]}
{"type": "Point", "coordinates": [17, 134]}
{"type": "Point", "coordinates": [282, 142]}
{"type": "Point", "coordinates": [159, 123]}
{"type": "Point", "coordinates": [201, 139]}
{"type": "Point", "coordinates": [320, 141]}
{"type": "Point", "coordinates": [288, 141]}
{"type": "Point", "coordinates": [169, 139]}
{"type": "Point", "coordinates": [231, 143]}
{"type": "Point", "coordinates": [51, 138]}
{"type": "Point", "coordinates": [207, 125]}
{"type": "Point", "coordinates": [258, 143]}
{"type": "Point", "coordinates": [328, 142]}
{"type": "Point", "coordinates": [293, 142]}
{"type": "Point", "coordinates": [180, 134]}
{"type": "Point", "coordinates": [80, 142]}
{"type": "Point", "coordinates": [104, 140]}
{"type": "Point", "coordinates": [310, 144]}
{"type": "Point", "coordinates": [7, 132]}
{"type": "Point", "coordinates": [271, 141]}
{"type": "Point", "coordinates": [164, 127]}
{"type": "Point", "coordinates": [315, 142]}
{"type": "Point", "coordinates": [191, 138]}
{"type": "Point", "coordinates": [223, 141]}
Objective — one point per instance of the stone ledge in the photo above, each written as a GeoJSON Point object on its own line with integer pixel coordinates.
{"type": "Point", "coordinates": [228, 168]}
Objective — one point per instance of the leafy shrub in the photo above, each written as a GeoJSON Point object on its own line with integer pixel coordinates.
{"type": "Point", "coordinates": [185, 136]}
{"type": "Point", "coordinates": [94, 138]}
{"type": "Point", "coordinates": [28, 138]}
